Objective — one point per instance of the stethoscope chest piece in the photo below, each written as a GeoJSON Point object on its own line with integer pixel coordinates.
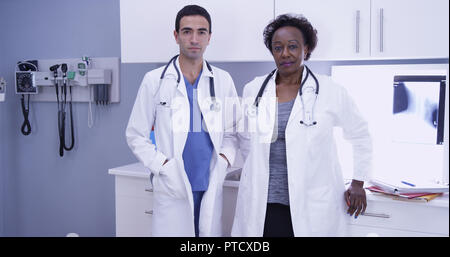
{"type": "Point", "coordinates": [214, 106]}
{"type": "Point", "coordinates": [309, 123]}
{"type": "Point", "coordinates": [252, 111]}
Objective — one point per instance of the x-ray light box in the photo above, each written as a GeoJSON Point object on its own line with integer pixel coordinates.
{"type": "Point", "coordinates": [418, 109]}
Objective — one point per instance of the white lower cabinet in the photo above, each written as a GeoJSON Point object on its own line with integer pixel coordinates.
{"type": "Point", "coordinates": [133, 206]}
{"type": "Point", "coordinates": [133, 199]}
{"type": "Point", "coordinates": [366, 231]}
{"type": "Point", "coordinates": [133, 216]}
{"type": "Point", "coordinates": [384, 217]}
{"type": "Point", "coordinates": [394, 218]}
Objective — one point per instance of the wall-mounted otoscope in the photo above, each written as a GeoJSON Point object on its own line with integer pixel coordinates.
{"type": "Point", "coordinates": [65, 81]}
{"type": "Point", "coordinates": [61, 99]}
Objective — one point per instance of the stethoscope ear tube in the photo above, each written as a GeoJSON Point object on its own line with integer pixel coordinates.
{"type": "Point", "coordinates": [315, 80]}
{"type": "Point", "coordinates": [263, 87]}
{"type": "Point", "coordinates": [167, 66]}
{"type": "Point", "coordinates": [214, 106]}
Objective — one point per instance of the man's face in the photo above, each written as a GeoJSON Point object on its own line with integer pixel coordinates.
{"type": "Point", "coordinates": [193, 36]}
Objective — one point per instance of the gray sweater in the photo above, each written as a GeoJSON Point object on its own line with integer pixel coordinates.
{"type": "Point", "coordinates": [278, 179]}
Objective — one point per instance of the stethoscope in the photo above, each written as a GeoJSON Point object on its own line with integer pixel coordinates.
{"type": "Point", "coordinates": [307, 115]}
{"type": "Point", "coordinates": [215, 106]}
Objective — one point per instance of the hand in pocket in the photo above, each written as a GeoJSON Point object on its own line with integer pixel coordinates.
{"type": "Point", "coordinates": [170, 181]}
{"type": "Point", "coordinates": [223, 164]}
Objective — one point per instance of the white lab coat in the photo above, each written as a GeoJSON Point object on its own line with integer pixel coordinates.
{"type": "Point", "coordinates": [160, 103]}
{"type": "Point", "coordinates": [315, 181]}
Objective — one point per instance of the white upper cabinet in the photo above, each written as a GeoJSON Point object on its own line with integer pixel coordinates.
{"type": "Point", "coordinates": [237, 29]}
{"type": "Point", "coordinates": [343, 27]}
{"type": "Point", "coordinates": [410, 28]}
{"type": "Point", "coordinates": [347, 29]}
{"type": "Point", "coordinates": [375, 29]}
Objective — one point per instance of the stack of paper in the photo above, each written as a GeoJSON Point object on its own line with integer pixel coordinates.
{"type": "Point", "coordinates": [407, 190]}
{"type": "Point", "coordinates": [405, 196]}
{"type": "Point", "coordinates": [402, 187]}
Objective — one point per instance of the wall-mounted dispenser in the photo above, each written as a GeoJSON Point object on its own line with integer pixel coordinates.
{"type": "Point", "coordinates": [2, 89]}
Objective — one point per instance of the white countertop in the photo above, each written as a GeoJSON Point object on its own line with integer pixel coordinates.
{"type": "Point", "coordinates": [138, 170]}
{"type": "Point", "coordinates": [132, 170]}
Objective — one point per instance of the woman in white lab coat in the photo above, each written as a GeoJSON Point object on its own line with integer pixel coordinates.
{"type": "Point", "coordinates": [291, 182]}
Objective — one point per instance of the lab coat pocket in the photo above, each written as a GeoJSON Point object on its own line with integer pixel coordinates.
{"type": "Point", "coordinates": [163, 113]}
{"type": "Point", "coordinates": [321, 210]}
{"type": "Point", "coordinates": [169, 181]}
{"type": "Point", "coordinates": [321, 132]}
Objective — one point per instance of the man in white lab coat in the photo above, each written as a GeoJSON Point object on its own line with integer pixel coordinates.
{"type": "Point", "coordinates": [187, 101]}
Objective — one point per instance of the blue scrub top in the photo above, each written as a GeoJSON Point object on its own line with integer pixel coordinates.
{"type": "Point", "coordinates": [198, 149]}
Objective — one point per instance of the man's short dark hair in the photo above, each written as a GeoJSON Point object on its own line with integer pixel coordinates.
{"type": "Point", "coordinates": [192, 10]}
{"type": "Point", "coordinates": [297, 21]}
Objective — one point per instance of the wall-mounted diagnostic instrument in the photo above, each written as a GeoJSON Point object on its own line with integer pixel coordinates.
{"type": "Point", "coordinates": [2, 89]}
{"type": "Point", "coordinates": [91, 80]}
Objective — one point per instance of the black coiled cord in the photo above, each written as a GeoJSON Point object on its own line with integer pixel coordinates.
{"type": "Point", "coordinates": [26, 126]}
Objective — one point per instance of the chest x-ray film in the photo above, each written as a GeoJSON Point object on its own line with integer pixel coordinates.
{"type": "Point", "coordinates": [418, 109]}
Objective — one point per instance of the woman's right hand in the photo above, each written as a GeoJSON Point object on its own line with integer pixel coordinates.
{"type": "Point", "coordinates": [355, 196]}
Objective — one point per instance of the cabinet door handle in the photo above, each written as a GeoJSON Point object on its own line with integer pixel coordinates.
{"type": "Point", "coordinates": [381, 29]}
{"type": "Point", "coordinates": [149, 212]}
{"type": "Point", "coordinates": [150, 190]}
{"type": "Point", "coordinates": [357, 30]}
{"type": "Point", "coordinates": [377, 215]}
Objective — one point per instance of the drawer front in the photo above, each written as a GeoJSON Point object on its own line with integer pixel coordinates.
{"type": "Point", "coordinates": [133, 216]}
{"type": "Point", "coordinates": [418, 217]}
{"type": "Point", "coordinates": [366, 231]}
{"type": "Point", "coordinates": [134, 187]}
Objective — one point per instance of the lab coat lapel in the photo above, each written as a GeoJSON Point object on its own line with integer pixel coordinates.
{"type": "Point", "coordinates": [267, 115]}
{"type": "Point", "coordinates": [203, 89]}
{"type": "Point", "coordinates": [181, 89]}
{"type": "Point", "coordinates": [180, 111]}
{"type": "Point", "coordinates": [212, 119]}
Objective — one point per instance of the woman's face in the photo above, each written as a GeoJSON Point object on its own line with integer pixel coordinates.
{"type": "Point", "coordinates": [288, 49]}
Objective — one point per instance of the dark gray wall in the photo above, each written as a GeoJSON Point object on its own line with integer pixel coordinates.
{"type": "Point", "coordinates": [42, 194]}
{"type": "Point", "coordinates": [2, 132]}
